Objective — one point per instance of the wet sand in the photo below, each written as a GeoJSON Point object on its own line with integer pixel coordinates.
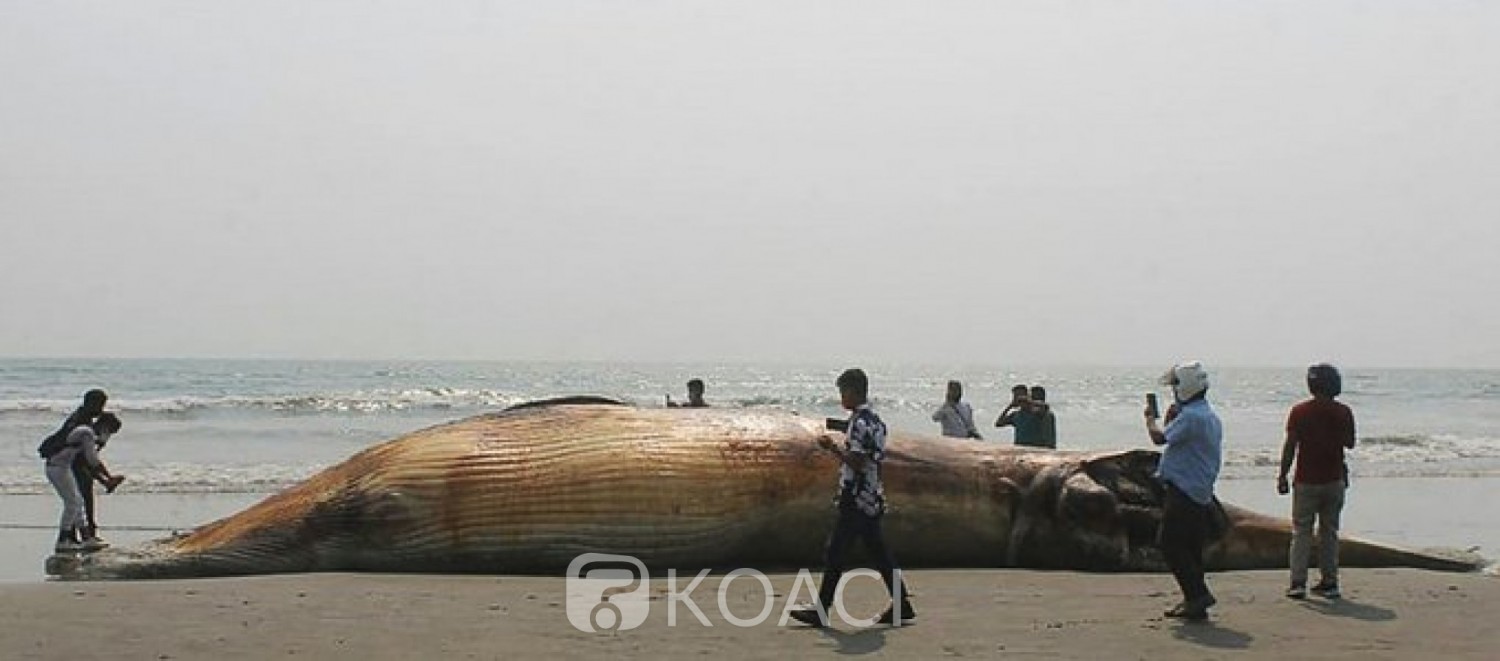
{"type": "Point", "coordinates": [1386, 614]}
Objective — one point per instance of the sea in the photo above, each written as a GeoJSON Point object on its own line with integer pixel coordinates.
{"type": "Point", "coordinates": [256, 426]}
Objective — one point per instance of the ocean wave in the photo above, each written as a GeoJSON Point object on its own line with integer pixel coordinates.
{"type": "Point", "coordinates": [174, 478]}
{"type": "Point", "coordinates": [349, 402]}
{"type": "Point", "coordinates": [1400, 440]}
{"type": "Point", "coordinates": [1401, 455]}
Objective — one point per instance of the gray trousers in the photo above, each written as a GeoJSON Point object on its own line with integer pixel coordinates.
{"type": "Point", "coordinates": [73, 517]}
{"type": "Point", "coordinates": [1323, 502]}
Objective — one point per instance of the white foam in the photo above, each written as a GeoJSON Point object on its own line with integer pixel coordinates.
{"type": "Point", "coordinates": [174, 478]}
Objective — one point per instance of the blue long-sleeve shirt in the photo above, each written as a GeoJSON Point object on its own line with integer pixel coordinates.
{"type": "Point", "coordinates": [1194, 451]}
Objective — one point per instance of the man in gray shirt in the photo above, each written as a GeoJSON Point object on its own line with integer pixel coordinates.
{"type": "Point", "coordinates": [955, 415]}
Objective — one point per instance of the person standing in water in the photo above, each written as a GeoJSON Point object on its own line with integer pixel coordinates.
{"type": "Point", "coordinates": [955, 416]}
{"type": "Point", "coordinates": [695, 396]}
{"type": "Point", "coordinates": [1046, 423]}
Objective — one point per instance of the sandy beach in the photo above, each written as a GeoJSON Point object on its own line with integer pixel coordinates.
{"type": "Point", "coordinates": [1386, 614]}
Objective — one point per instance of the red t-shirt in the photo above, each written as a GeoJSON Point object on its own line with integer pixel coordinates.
{"type": "Point", "coordinates": [1321, 428]}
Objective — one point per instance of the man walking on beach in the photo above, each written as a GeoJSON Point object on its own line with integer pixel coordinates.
{"type": "Point", "coordinates": [955, 416]}
{"type": "Point", "coordinates": [861, 505]}
{"type": "Point", "coordinates": [1188, 469]}
{"type": "Point", "coordinates": [1317, 433]}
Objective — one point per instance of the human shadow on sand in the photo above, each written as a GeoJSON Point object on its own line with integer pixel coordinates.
{"type": "Point", "coordinates": [1351, 609]}
{"type": "Point", "coordinates": [1210, 634]}
{"type": "Point", "coordinates": [859, 641]}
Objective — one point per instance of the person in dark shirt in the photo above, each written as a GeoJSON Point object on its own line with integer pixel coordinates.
{"type": "Point", "coordinates": [1025, 415]}
{"type": "Point", "coordinates": [84, 474]}
{"type": "Point", "coordinates": [1046, 425]}
{"type": "Point", "coordinates": [861, 506]}
{"type": "Point", "coordinates": [1317, 433]}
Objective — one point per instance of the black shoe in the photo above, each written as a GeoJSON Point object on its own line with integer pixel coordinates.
{"type": "Point", "coordinates": [889, 616]}
{"type": "Point", "coordinates": [808, 615]}
{"type": "Point", "coordinates": [1327, 590]}
{"type": "Point", "coordinates": [1196, 610]}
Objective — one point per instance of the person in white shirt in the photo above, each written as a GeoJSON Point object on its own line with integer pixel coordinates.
{"type": "Point", "coordinates": [83, 441]}
{"type": "Point", "coordinates": [955, 415]}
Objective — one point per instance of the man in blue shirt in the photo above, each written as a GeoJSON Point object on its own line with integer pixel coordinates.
{"type": "Point", "coordinates": [1189, 466]}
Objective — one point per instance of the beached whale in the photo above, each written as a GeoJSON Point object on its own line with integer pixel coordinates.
{"type": "Point", "coordinates": [528, 489]}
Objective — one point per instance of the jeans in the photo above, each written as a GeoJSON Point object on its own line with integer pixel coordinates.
{"type": "Point", "coordinates": [1324, 502]}
{"type": "Point", "coordinates": [83, 476]}
{"type": "Point", "coordinates": [854, 524]}
{"type": "Point", "coordinates": [1184, 526]}
{"type": "Point", "coordinates": [62, 480]}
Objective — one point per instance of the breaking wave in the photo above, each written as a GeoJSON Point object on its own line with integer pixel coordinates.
{"type": "Point", "coordinates": [438, 399]}
{"type": "Point", "coordinates": [1402, 455]}
{"type": "Point", "coordinates": [174, 478]}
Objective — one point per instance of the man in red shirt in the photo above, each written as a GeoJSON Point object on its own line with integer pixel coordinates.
{"type": "Point", "coordinates": [1317, 432]}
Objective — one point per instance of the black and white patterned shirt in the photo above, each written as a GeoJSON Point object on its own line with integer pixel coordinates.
{"type": "Point", "coordinates": [862, 489]}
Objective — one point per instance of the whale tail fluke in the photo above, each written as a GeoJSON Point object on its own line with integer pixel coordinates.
{"type": "Point", "coordinates": [1263, 542]}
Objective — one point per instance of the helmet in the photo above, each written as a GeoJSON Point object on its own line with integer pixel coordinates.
{"type": "Point", "coordinates": [1188, 380]}
{"type": "Point", "coordinates": [1323, 379]}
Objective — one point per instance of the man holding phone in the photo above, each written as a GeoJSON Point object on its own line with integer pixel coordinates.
{"type": "Point", "coordinates": [955, 416]}
{"type": "Point", "coordinates": [1188, 469]}
{"type": "Point", "coordinates": [861, 504]}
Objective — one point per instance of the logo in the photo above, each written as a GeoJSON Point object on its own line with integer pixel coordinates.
{"type": "Point", "coordinates": [607, 592]}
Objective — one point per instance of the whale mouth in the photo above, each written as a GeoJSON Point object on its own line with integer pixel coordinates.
{"type": "Point", "coordinates": [1101, 512]}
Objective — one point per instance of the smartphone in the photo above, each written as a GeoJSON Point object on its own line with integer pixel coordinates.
{"type": "Point", "coordinates": [1151, 410]}
{"type": "Point", "coordinates": [836, 424]}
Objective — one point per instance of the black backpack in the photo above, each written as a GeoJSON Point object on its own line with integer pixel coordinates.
{"type": "Point", "coordinates": [59, 439]}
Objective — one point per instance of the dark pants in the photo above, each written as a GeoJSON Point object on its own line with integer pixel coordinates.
{"type": "Point", "coordinates": [854, 524]}
{"type": "Point", "coordinates": [84, 476]}
{"type": "Point", "coordinates": [1184, 527]}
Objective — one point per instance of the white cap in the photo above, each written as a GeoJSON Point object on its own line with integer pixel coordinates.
{"type": "Point", "coordinates": [1188, 380]}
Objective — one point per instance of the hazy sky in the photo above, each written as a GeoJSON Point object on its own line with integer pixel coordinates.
{"type": "Point", "coordinates": [1262, 183]}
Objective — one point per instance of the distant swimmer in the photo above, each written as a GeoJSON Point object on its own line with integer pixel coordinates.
{"type": "Point", "coordinates": [695, 396]}
{"type": "Point", "coordinates": [955, 415]}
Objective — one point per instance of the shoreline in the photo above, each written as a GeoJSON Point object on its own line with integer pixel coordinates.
{"type": "Point", "coordinates": [1386, 613]}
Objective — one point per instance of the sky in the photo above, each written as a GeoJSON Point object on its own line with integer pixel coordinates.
{"type": "Point", "coordinates": [1268, 183]}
